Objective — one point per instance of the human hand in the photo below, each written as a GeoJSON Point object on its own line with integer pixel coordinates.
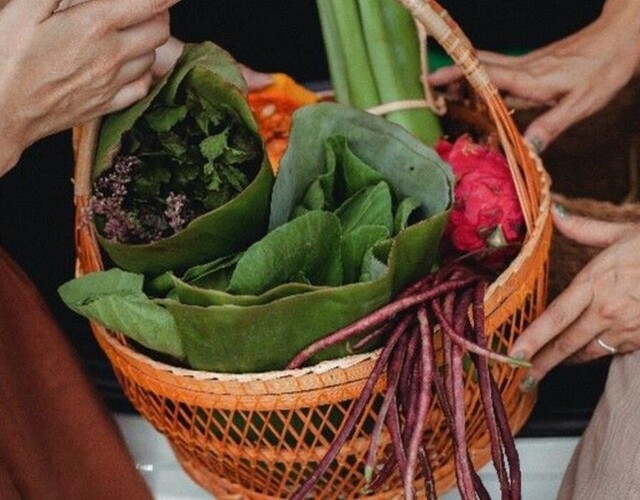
{"type": "Point", "coordinates": [575, 76]}
{"type": "Point", "coordinates": [602, 303]}
{"type": "Point", "coordinates": [168, 54]}
{"type": "Point", "coordinates": [60, 68]}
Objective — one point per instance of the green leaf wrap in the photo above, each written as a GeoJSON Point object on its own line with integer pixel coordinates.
{"type": "Point", "coordinates": [224, 230]}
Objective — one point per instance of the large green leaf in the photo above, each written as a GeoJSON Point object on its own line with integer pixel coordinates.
{"type": "Point", "coordinates": [224, 230]}
{"type": "Point", "coordinates": [412, 168]}
{"type": "Point", "coordinates": [243, 334]}
{"type": "Point", "coordinates": [115, 299]}
{"type": "Point", "coordinates": [305, 250]}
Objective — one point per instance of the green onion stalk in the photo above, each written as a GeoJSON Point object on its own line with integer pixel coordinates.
{"type": "Point", "coordinates": [374, 58]}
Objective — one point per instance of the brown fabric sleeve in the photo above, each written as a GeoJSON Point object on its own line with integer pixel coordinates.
{"type": "Point", "coordinates": [57, 440]}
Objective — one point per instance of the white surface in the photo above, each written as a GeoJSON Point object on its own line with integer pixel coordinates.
{"type": "Point", "coordinates": [543, 461]}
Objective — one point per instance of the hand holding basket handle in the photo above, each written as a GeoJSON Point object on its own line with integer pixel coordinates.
{"type": "Point", "coordinates": [562, 75]}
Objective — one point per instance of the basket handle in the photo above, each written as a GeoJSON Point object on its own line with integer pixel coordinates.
{"type": "Point", "coordinates": [449, 35]}
{"type": "Point", "coordinates": [85, 140]}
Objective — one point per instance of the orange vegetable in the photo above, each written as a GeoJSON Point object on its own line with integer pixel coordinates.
{"type": "Point", "coordinates": [273, 107]}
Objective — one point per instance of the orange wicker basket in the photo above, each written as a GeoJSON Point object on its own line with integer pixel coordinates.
{"type": "Point", "coordinates": [259, 435]}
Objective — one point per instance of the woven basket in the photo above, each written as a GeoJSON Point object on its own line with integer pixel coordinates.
{"type": "Point", "coordinates": [259, 435]}
{"type": "Point", "coordinates": [568, 257]}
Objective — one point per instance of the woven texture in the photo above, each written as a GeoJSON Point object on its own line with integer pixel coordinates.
{"type": "Point", "coordinates": [568, 257]}
{"type": "Point", "coordinates": [258, 436]}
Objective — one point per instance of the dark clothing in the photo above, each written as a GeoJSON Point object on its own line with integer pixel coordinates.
{"type": "Point", "coordinates": [57, 440]}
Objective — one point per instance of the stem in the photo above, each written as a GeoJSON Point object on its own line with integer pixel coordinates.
{"type": "Point", "coordinates": [424, 400]}
{"type": "Point", "coordinates": [374, 319]}
{"type": "Point", "coordinates": [471, 346]}
{"type": "Point", "coordinates": [354, 414]}
{"type": "Point", "coordinates": [393, 377]}
{"type": "Point", "coordinates": [465, 484]}
{"type": "Point", "coordinates": [362, 90]}
{"type": "Point", "coordinates": [333, 49]}
{"type": "Point", "coordinates": [393, 47]}
{"type": "Point", "coordinates": [484, 383]}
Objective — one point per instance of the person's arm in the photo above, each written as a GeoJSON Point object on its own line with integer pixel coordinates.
{"type": "Point", "coordinates": [602, 303]}
{"type": "Point", "coordinates": [61, 68]}
{"type": "Point", "coordinates": [575, 76]}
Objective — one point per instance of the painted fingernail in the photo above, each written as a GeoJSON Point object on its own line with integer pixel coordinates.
{"type": "Point", "coordinates": [560, 210]}
{"type": "Point", "coordinates": [537, 144]}
{"type": "Point", "coordinates": [528, 384]}
{"type": "Point", "coordinates": [519, 355]}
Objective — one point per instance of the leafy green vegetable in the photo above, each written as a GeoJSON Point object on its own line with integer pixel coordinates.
{"type": "Point", "coordinates": [358, 209]}
{"type": "Point", "coordinates": [115, 299]}
{"type": "Point", "coordinates": [307, 250]}
{"type": "Point", "coordinates": [190, 180]}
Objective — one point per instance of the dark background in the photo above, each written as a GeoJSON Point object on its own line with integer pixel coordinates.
{"type": "Point", "coordinates": [36, 212]}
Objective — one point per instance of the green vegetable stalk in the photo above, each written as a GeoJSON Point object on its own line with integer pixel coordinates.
{"type": "Point", "coordinates": [374, 58]}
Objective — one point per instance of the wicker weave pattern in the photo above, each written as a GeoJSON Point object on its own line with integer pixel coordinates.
{"type": "Point", "coordinates": [257, 436]}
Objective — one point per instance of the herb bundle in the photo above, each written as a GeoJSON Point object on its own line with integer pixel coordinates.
{"type": "Point", "coordinates": [182, 177]}
{"type": "Point", "coordinates": [177, 163]}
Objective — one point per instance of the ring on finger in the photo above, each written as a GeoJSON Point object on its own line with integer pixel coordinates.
{"type": "Point", "coordinates": [606, 347]}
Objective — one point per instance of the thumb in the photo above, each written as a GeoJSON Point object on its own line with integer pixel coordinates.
{"type": "Point", "coordinates": [588, 231]}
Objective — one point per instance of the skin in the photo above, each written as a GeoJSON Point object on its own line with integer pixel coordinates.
{"type": "Point", "coordinates": [603, 301]}
{"type": "Point", "coordinates": [574, 76]}
{"type": "Point", "coordinates": [108, 53]}
{"type": "Point", "coordinates": [104, 51]}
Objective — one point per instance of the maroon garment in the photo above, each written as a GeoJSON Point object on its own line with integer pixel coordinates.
{"type": "Point", "coordinates": [57, 439]}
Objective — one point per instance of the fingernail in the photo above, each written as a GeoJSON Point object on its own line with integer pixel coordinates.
{"type": "Point", "coordinates": [560, 210]}
{"type": "Point", "coordinates": [262, 79]}
{"type": "Point", "coordinates": [519, 355]}
{"type": "Point", "coordinates": [528, 384]}
{"type": "Point", "coordinates": [536, 144]}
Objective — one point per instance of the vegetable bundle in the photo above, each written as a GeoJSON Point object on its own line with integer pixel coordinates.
{"type": "Point", "coordinates": [374, 58]}
{"type": "Point", "coordinates": [182, 177]}
{"type": "Point", "coordinates": [430, 318]}
{"type": "Point", "coordinates": [356, 213]}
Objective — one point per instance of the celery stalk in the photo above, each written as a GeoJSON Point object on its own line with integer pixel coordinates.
{"type": "Point", "coordinates": [333, 50]}
{"type": "Point", "coordinates": [394, 55]}
{"type": "Point", "coordinates": [374, 58]}
{"type": "Point", "coordinates": [363, 93]}
{"type": "Point", "coordinates": [401, 65]}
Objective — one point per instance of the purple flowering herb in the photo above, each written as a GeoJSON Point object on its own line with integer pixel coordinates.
{"type": "Point", "coordinates": [177, 212]}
